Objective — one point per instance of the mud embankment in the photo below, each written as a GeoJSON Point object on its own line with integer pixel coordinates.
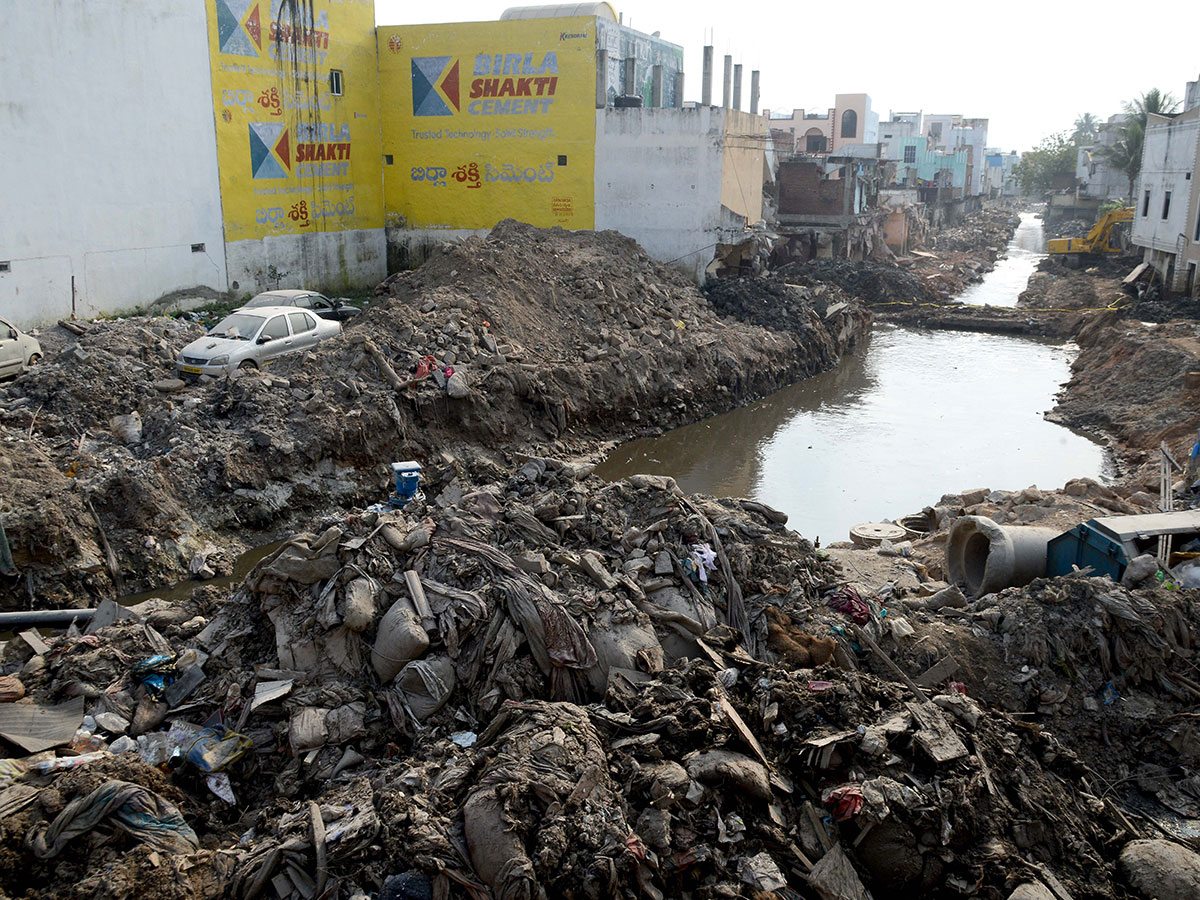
{"type": "Point", "coordinates": [556, 340]}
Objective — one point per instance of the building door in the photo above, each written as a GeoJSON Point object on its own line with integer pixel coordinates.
{"type": "Point", "coordinates": [1190, 289]}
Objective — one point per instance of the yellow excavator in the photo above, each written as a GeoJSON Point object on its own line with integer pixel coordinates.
{"type": "Point", "coordinates": [1103, 238]}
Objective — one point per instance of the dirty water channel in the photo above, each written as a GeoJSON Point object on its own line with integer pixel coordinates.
{"type": "Point", "coordinates": [1002, 285]}
{"type": "Point", "coordinates": [908, 417]}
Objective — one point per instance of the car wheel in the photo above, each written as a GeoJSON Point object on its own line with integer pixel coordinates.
{"type": "Point", "coordinates": [248, 364]}
{"type": "Point", "coordinates": [34, 360]}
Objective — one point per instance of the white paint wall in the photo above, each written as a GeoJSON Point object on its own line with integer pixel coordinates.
{"type": "Point", "coordinates": [329, 261]}
{"type": "Point", "coordinates": [109, 151]}
{"type": "Point", "coordinates": [658, 180]}
{"type": "Point", "coordinates": [1168, 159]}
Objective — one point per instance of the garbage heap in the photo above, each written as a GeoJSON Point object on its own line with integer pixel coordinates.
{"type": "Point", "coordinates": [520, 339]}
{"type": "Point", "coordinates": [540, 685]}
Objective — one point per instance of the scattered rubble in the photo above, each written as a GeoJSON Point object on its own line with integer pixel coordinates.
{"type": "Point", "coordinates": [530, 683]}
{"type": "Point", "coordinates": [543, 684]}
{"type": "Point", "coordinates": [523, 339]}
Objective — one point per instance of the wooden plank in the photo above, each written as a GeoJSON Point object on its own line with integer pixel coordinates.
{"type": "Point", "coordinates": [863, 638]}
{"type": "Point", "coordinates": [938, 672]}
{"type": "Point", "coordinates": [740, 726]}
{"type": "Point", "coordinates": [817, 824]}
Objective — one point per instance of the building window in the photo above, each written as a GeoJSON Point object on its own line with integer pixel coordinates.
{"type": "Point", "coordinates": [935, 131]}
{"type": "Point", "coordinates": [5, 266]}
{"type": "Point", "coordinates": [910, 153]}
{"type": "Point", "coordinates": [197, 248]}
{"type": "Point", "coordinates": [562, 159]}
{"type": "Point", "coordinates": [1146, 205]}
{"type": "Point", "coordinates": [335, 82]}
{"type": "Point", "coordinates": [849, 124]}
{"type": "Point", "coordinates": [1197, 237]}
{"type": "Point", "coordinates": [387, 159]}
{"type": "Point", "coordinates": [1166, 204]}
{"type": "Point", "coordinates": [814, 141]}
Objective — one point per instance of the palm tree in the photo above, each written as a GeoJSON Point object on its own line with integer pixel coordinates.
{"type": "Point", "coordinates": [1125, 153]}
{"type": "Point", "coordinates": [1087, 126]}
{"type": "Point", "coordinates": [1153, 101]}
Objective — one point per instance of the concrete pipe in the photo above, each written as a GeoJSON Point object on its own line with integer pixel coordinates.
{"type": "Point", "coordinates": [983, 557]}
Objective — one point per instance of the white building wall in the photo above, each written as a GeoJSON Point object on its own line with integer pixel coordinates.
{"type": "Point", "coordinates": [658, 180]}
{"type": "Point", "coordinates": [109, 150]}
{"type": "Point", "coordinates": [891, 133]}
{"type": "Point", "coordinates": [976, 139]}
{"type": "Point", "coordinates": [324, 259]}
{"type": "Point", "coordinates": [1168, 159]}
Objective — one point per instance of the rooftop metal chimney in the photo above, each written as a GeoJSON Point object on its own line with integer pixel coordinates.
{"type": "Point", "coordinates": [706, 84]}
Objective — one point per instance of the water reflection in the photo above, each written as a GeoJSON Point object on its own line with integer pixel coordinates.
{"type": "Point", "coordinates": [908, 417]}
{"type": "Point", "coordinates": [1004, 283]}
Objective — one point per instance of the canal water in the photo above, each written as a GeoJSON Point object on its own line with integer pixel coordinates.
{"type": "Point", "coordinates": [908, 417]}
{"type": "Point", "coordinates": [1002, 285]}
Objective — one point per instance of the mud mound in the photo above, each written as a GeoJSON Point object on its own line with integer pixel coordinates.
{"type": "Point", "coordinates": [871, 281]}
{"type": "Point", "coordinates": [824, 314]}
{"type": "Point", "coordinates": [987, 230]}
{"type": "Point", "coordinates": [526, 338]}
{"type": "Point", "coordinates": [1129, 381]}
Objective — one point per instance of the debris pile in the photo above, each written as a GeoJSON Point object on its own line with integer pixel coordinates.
{"type": "Point", "coordinates": [985, 230]}
{"type": "Point", "coordinates": [830, 318]}
{"type": "Point", "coordinates": [523, 339]}
{"type": "Point", "coordinates": [1068, 228]}
{"type": "Point", "coordinates": [537, 684]}
{"type": "Point", "coordinates": [873, 282]}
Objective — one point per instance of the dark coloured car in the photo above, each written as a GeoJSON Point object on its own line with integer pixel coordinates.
{"type": "Point", "coordinates": [334, 310]}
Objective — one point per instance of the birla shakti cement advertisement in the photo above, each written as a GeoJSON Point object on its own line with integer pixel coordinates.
{"type": "Point", "coordinates": [485, 121]}
{"type": "Point", "coordinates": [296, 100]}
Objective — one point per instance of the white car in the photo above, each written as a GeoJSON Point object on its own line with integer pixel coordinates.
{"type": "Point", "coordinates": [17, 350]}
{"type": "Point", "coordinates": [251, 339]}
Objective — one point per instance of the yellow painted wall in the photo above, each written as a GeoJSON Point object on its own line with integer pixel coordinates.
{"type": "Point", "coordinates": [489, 120]}
{"type": "Point", "coordinates": [742, 165]}
{"type": "Point", "coordinates": [293, 157]}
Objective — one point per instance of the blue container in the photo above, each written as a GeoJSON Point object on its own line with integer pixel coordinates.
{"type": "Point", "coordinates": [1107, 544]}
{"type": "Point", "coordinates": [1083, 546]}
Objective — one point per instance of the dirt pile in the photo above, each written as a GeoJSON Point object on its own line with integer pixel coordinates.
{"type": "Point", "coordinates": [873, 282]}
{"type": "Point", "coordinates": [526, 338]}
{"type": "Point", "coordinates": [1130, 382]}
{"type": "Point", "coordinates": [535, 683]}
{"type": "Point", "coordinates": [782, 302]}
{"type": "Point", "coordinates": [959, 255]}
{"type": "Point", "coordinates": [985, 231]}
{"type": "Point", "coordinates": [1069, 228]}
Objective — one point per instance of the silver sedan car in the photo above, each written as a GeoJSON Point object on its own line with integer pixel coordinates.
{"type": "Point", "coordinates": [251, 339]}
{"type": "Point", "coordinates": [17, 350]}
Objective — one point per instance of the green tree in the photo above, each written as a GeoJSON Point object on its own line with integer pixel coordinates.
{"type": "Point", "coordinates": [1125, 153]}
{"type": "Point", "coordinates": [1087, 127]}
{"type": "Point", "coordinates": [1055, 155]}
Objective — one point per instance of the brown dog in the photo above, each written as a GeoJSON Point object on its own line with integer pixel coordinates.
{"type": "Point", "coordinates": [797, 648]}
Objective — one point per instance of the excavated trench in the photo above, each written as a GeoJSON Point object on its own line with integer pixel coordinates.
{"type": "Point", "coordinates": [908, 416]}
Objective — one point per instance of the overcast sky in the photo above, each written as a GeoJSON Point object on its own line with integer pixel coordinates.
{"type": "Point", "coordinates": [1029, 67]}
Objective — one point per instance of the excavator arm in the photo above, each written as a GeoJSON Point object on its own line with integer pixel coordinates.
{"type": "Point", "coordinates": [1098, 240]}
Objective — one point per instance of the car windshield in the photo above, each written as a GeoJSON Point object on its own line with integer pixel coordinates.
{"type": "Point", "coordinates": [267, 300]}
{"type": "Point", "coordinates": [237, 326]}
